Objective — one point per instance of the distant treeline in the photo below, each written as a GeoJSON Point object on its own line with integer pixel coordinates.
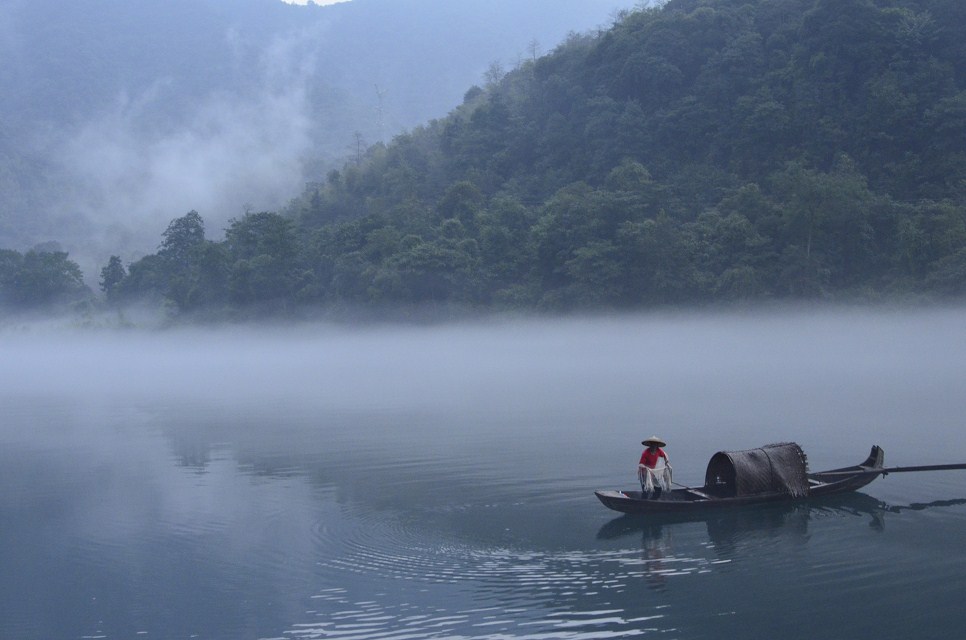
{"type": "Point", "coordinates": [42, 278]}
{"type": "Point", "coordinates": [705, 150]}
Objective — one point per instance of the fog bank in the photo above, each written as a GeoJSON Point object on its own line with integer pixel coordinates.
{"type": "Point", "coordinates": [234, 152]}
{"type": "Point", "coordinates": [715, 381]}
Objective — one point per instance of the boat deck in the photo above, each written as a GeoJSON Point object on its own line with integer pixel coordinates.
{"type": "Point", "coordinates": [689, 498]}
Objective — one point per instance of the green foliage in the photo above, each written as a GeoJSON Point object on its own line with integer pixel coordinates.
{"type": "Point", "coordinates": [188, 271]}
{"type": "Point", "coordinates": [701, 151]}
{"type": "Point", "coordinates": [263, 251]}
{"type": "Point", "coordinates": [39, 279]}
{"type": "Point", "coordinates": [111, 276]}
{"type": "Point", "coordinates": [181, 239]}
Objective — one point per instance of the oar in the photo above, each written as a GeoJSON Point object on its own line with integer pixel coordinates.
{"type": "Point", "coordinates": [885, 470]}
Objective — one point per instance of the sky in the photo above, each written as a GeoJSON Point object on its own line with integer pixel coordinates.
{"type": "Point", "coordinates": [321, 2]}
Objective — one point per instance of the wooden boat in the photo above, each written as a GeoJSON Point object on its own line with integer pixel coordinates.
{"type": "Point", "coordinates": [724, 526]}
{"type": "Point", "coordinates": [772, 473]}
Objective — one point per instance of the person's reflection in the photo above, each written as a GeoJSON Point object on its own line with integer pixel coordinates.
{"type": "Point", "coordinates": [729, 532]}
{"type": "Point", "coordinates": [656, 544]}
{"type": "Point", "coordinates": [655, 547]}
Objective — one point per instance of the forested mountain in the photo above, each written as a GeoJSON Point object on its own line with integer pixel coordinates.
{"type": "Point", "coordinates": [117, 115]}
{"type": "Point", "coordinates": [705, 150]}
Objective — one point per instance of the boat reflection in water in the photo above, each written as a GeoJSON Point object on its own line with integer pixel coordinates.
{"type": "Point", "coordinates": [733, 529]}
{"type": "Point", "coordinates": [728, 531]}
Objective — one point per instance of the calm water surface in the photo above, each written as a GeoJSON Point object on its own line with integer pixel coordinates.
{"type": "Point", "coordinates": [438, 482]}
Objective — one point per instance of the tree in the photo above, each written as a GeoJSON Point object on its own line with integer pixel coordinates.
{"type": "Point", "coordinates": [188, 271]}
{"type": "Point", "coordinates": [10, 264]}
{"type": "Point", "coordinates": [948, 276]}
{"type": "Point", "coordinates": [660, 265]}
{"type": "Point", "coordinates": [463, 201]}
{"type": "Point", "coordinates": [438, 271]}
{"type": "Point", "coordinates": [263, 249]}
{"type": "Point", "coordinates": [828, 215]}
{"type": "Point", "coordinates": [597, 274]}
{"type": "Point", "coordinates": [730, 252]}
{"type": "Point", "coordinates": [145, 278]}
{"type": "Point", "coordinates": [697, 150]}
{"type": "Point", "coordinates": [182, 236]}
{"type": "Point", "coordinates": [111, 276]}
{"type": "Point", "coordinates": [48, 277]}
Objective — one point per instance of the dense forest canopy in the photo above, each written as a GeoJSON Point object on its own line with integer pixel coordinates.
{"type": "Point", "coordinates": [703, 150]}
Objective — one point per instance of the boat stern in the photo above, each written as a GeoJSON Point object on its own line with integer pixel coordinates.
{"type": "Point", "coordinates": [876, 458]}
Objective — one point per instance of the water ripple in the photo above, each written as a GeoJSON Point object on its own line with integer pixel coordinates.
{"type": "Point", "coordinates": [566, 594]}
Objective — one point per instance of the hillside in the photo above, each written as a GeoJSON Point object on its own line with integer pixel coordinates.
{"type": "Point", "coordinates": [116, 116]}
{"type": "Point", "coordinates": [703, 151]}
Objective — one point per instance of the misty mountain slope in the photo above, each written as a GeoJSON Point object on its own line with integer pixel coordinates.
{"type": "Point", "coordinates": [702, 151]}
{"type": "Point", "coordinates": [116, 116]}
{"type": "Point", "coordinates": [696, 153]}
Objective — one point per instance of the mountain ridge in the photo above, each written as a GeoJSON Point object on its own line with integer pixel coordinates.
{"type": "Point", "coordinates": [694, 153]}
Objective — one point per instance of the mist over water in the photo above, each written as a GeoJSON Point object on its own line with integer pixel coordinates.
{"type": "Point", "coordinates": [854, 374]}
{"type": "Point", "coordinates": [435, 481]}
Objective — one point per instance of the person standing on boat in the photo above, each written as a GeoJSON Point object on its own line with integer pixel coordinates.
{"type": "Point", "coordinates": [654, 479]}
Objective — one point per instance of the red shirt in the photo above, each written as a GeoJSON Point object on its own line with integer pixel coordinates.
{"type": "Point", "coordinates": [649, 458]}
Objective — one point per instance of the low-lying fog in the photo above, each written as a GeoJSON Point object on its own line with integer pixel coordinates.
{"type": "Point", "coordinates": [845, 379]}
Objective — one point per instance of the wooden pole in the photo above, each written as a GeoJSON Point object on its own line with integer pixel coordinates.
{"type": "Point", "coordinates": [885, 470]}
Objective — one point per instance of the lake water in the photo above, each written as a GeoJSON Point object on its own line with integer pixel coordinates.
{"type": "Point", "coordinates": [437, 482]}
